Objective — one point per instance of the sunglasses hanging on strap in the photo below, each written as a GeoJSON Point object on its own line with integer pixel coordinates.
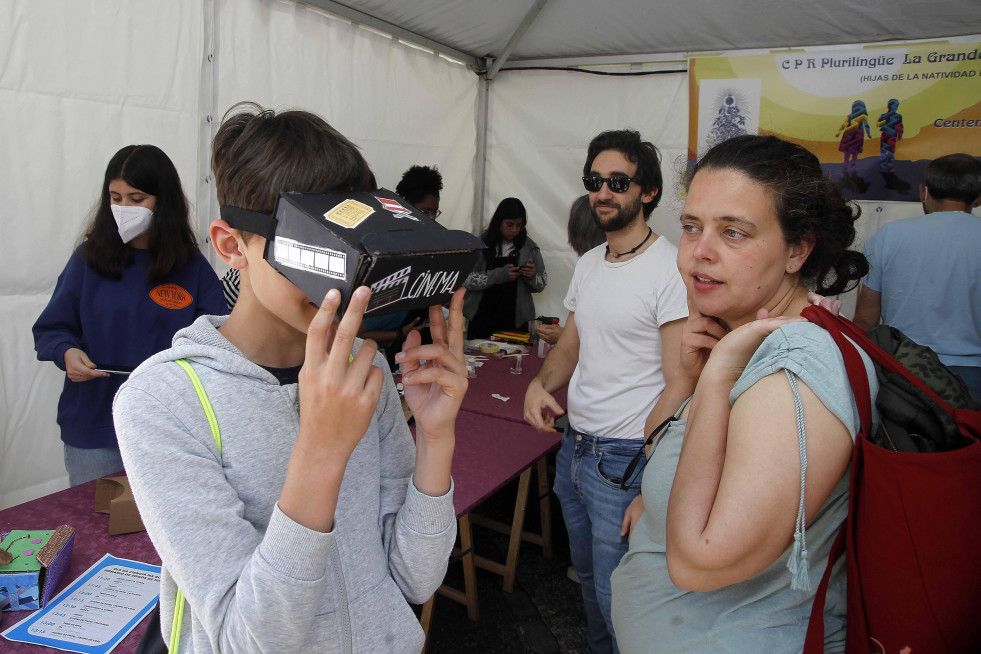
{"type": "Point", "coordinates": [634, 462]}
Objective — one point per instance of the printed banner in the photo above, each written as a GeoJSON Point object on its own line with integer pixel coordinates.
{"type": "Point", "coordinates": [874, 115]}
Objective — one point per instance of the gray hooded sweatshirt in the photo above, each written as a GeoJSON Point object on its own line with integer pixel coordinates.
{"type": "Point", "coordinates": [254, 580]}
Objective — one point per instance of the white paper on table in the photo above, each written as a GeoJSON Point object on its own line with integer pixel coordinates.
{"type": "Point", "coordinates": [96, 611]}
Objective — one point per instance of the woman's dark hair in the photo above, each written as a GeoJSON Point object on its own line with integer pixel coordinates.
{"type": "Point", "coordinates": [809, 205]}
{"type": "Point", "coordinates": [584, 235]}
{"type": "Point", "coordinates": [171, 241]}
{"type": "Point", "coordinates": [643, 153]}
{"type": "Point", "coordinates": [418, 182]}
{"type": "Point", "coordinates": [258, 154]}
{"type": "Point", "coordinates": [508, 208]}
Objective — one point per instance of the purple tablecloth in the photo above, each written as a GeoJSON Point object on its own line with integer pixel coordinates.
{"type": "Point", "coordinates": [75, 507]}
{"type": "Point", "coordinates": [495, 377]}
{"type": "Point", "coordinates": [489, 453]}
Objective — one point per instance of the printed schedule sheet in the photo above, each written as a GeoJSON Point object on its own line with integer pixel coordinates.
{"type": "Point", "coordinates": [96, 611]}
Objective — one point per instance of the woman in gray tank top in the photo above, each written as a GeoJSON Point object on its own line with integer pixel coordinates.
{"type": "Point", "coordinates": [744, 494]}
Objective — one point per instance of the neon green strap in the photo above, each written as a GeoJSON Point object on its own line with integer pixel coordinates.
{"type": "Point", "coordinates": [175, 629]}
{"type": "Point", "coordinates": [205, 403]}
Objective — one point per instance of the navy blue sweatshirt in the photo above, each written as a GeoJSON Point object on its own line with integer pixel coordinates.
{"type": "Point", "coordinates": [116, 323]}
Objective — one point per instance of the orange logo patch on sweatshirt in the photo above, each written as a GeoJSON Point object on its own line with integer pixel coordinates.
{"type": "Point", "coordinates": [171, 296]}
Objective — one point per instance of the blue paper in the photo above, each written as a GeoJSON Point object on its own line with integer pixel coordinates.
{"type": "Point", "coordinates": [96, 611]}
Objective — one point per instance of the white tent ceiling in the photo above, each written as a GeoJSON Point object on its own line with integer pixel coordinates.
{"type": "Point", "coordinates": [564, 29]}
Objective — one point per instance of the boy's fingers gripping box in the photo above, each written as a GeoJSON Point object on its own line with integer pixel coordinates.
{"type": "Point", "coordinates": [31, 565]}
{"type": "Point", "coordinates": [374, 239]}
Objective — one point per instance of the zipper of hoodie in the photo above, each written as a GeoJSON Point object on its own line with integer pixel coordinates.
{"type": "Point", "coordinates": [343, 611]}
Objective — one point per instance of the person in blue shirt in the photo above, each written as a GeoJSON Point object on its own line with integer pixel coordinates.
{"type": "Point", "coordinates": [924, 272]}
{"type": "Point", "coordinates": [135, 280]}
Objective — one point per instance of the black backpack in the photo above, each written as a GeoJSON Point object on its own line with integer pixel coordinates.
{"type": "Point", "coordinates": [911, 421]}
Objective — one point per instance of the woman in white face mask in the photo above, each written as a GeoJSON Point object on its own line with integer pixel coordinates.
{"type": "Point", "coordinates": [136, 279]}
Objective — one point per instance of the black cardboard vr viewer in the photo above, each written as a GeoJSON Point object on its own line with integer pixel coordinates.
{"type": "Point", "coordinates": [374, 239]}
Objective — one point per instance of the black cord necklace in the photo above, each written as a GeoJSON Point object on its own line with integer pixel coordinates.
{"type": "Point", "coordinates": [636, 247]}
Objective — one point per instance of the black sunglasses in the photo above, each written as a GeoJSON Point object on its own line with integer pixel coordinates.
{"type": "Point", "coordinates": [594, 183]}
{"type": "Point", "coordinates": [634, 462]}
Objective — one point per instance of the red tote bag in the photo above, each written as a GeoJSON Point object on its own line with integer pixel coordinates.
{"type": "Point", "coordinates": [912, 538]}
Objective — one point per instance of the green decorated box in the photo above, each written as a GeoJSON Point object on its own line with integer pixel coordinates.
{"type": "Point", "coordinates": [31, 565]}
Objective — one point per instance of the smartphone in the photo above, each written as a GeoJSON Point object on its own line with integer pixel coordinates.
{"type": "Point", "coordinates": [115, 370]}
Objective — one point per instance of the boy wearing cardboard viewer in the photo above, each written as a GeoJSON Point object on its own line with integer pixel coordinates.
{"type": "Point", "coordinates": [316, 518]}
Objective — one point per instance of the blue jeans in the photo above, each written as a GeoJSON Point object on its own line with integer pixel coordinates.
{"type": "Point", "coordinates": [971, 376]}
{"type": "Point", "coordinates": [588, 470]}
{"type": "Point", "coordinates": [87, 464]}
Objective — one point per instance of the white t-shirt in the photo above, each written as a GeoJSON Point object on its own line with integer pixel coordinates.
{"type": "Point", "coordinates": [620, 308]}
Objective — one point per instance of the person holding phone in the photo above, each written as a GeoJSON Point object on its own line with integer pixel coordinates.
{"type": "Point", "coordinates": [507, 272]}
{"type": "Point", "coordinates": [134, 281]}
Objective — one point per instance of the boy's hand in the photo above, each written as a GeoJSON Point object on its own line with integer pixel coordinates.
{"type": "Point", "coordinates": [338, 396]}
{"type": "Point", "coordinates": [434, 390]}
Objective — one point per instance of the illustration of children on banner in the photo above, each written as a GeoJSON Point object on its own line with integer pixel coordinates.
{"type": "Point", "coordinates": [890, 132]}
{"type": "Point", "coordinates": [852, 137]}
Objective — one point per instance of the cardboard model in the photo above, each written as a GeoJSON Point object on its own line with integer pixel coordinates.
{"type": "Point", "coordinates": [113, 496]}
{"type": "Point", "coordinates": [31, 565]}
{"type": "Point", "coordinates": [374, 239]}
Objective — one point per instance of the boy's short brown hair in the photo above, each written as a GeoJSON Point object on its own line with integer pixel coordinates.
{"type": "Point", "coordinates": [258, 154]}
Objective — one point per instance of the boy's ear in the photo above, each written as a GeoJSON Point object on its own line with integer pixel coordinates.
{"type": "Point", "coordinates": [228, 243]}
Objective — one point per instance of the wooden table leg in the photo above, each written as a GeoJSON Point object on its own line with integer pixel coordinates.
{"type": "Point", "coordinates": [469, 569]}
{"type": "Point", "coordinates": [467, 597]}
{"type": "Point", "coordinates": [517, 524]}
{"type": "Point", "coordinates": [545, 507]}
{"type": "Point", "coordinates": [426, 619]}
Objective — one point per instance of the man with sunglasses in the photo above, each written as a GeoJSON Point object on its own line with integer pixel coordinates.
{"type": "Point", "coordinates": [627, 304]}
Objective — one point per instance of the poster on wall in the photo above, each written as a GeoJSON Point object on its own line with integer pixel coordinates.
{"type": "Point", "coordinates": [874, 115]}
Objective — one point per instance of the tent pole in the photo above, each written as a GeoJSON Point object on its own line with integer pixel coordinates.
{"type": "Point", "coordinates": [480, 162]}
{"type": "Point", "coordinates": [516, 37]}
{"type": "Point", "coordinates": [206, 202]}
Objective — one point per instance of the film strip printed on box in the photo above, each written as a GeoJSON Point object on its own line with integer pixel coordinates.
{"type": "Point", "coordinates": [302, 256]}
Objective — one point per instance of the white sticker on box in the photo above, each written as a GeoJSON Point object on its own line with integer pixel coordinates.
{"type": "Point", "coordinates": [302, 256]}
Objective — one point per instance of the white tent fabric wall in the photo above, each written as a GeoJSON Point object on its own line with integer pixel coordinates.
{"type": "Point", "coordinates": [541, 123]}
{"type": "Point", "coordinates": [401, 105]}
{"type": "Point", "coordinates": [78, 81]}
{"type": "Point", "coordinates": [83, 79]}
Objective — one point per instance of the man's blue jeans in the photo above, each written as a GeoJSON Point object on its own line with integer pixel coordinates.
{"type": "Point", "coordinates": [87, 464]}
{"type": "Point", "coordinates": [588, 470]}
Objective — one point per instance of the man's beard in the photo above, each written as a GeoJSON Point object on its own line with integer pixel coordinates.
{"type": "Point", "coordinates": [624, 216]}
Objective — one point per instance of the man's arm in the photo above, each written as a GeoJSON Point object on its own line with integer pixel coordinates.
{"type": "Point", "coordinates": [868, 308]}
{"type": "Point", "coordinates": [540, 407]}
